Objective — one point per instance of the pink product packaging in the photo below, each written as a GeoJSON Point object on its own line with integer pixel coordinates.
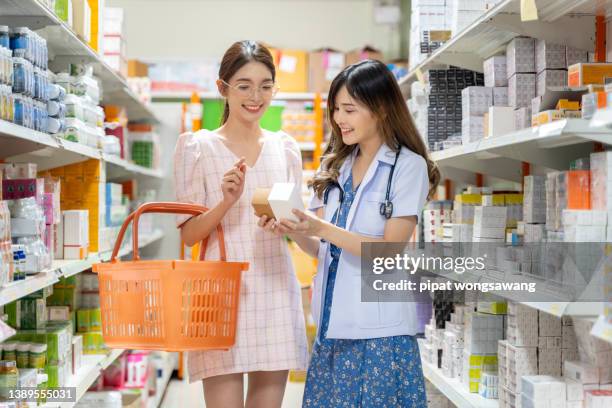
{"type": "Point", "coordinates": [137, 370]}
{"type": "Point", "coordinates": [48, 207]}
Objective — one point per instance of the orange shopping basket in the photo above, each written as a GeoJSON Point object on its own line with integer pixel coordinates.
{"type": "Point", "coordinates": [169, 305]}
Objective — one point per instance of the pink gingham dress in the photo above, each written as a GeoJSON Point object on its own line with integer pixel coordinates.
{"type": "Point", "coordinates": [271, 333]}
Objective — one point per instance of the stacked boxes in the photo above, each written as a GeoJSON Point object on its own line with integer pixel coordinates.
{"type": "Point", "coordinates": [435, 216]}
{"type": "Point", "coordinates": [522, 326]}
{"type": "Point", "coordinates": [475, 102]}
{"type": "Point", "coordinates": [465, 12]}
{"type": "Point", "coordinates": [429, 28]}
{"type": "Point", "coordinates": [445, 104]}
{"type": "Point", "coordinates": [549, 345]}
{"type": "Point", "coordinates": [551, 66]}
{"type": "Point", "coordinates": [84, 188]}
{"type": "Point", "coordinates": [114, 40]}
{"type": "Point", "coordinates": [542, 391]}
{"type": "Point", "coordinates": [584, 225]}
{"type": "Point", "coordinates": [534, 204]}
{"type": "Point", "coordinates": [490, 224]}
{"type": "Point", "coordinates": [520, 63]}
{"type": "Point", "coordinates": [601, 181]}
{"type": "Point", "coordinates": [482, 332]}
{"type": "Point", "coordinates": [495, 72]}
{"type": "Point", "coordinates": [474, 368]}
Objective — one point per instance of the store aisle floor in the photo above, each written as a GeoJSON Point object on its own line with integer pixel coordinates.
{"type": "Point", "coordinates": [181, 394]}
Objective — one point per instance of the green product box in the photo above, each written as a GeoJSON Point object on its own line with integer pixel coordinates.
{"type": "Point", "coordinates": [93, 343]}
{"type": "Point", "coordinates": [95, 320]}
{"type": "Point", "coordinates": [13, 312]}
{"type": "Point", "coordinates": [67, 282]}
{"type": "Point", "coordinates": [33, 313]}
{"type": "Point", "coordinates": [64, 296]}
{"type": "Point", "coordinates": [83, 320]}
{"type": "Point", "coordinates": [63, 10]}
{"type": "Point", "coordinates": [57, 374]}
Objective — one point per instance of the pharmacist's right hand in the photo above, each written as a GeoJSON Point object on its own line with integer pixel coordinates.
{"type": "Point", "coordinates": [232, 184]}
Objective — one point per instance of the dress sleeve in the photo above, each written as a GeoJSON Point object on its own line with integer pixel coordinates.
{"type": "Point", "coordinates": [188, 173]}
{"type": "Point", "coordinates": [410, 186]}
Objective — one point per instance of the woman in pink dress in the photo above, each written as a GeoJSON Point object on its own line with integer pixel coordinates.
{"type": "Point", "coordinates": [221, 169]}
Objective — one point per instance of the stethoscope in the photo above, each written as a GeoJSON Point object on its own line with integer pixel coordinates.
{"type": "Point", "coordinates": [386, 208]}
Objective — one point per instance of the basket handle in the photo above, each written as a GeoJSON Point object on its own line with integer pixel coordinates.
{"type": "Point", "coordinates": [164, 208]}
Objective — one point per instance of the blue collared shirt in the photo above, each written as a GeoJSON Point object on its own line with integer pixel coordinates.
{"type": "Point", "coordinates": [351, 318]}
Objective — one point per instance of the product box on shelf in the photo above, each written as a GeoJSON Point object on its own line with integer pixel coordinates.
{"type": "Point", "coordinates": [522, 118]}
{"type": "Point", "coordinates": [521, 90]}
{"type": "Point", "coordinates": [588, 73]}
{"type": "Point", "coordinates": [500, 96]}
{"type": "Point", "coordinates": [601, 181]}
{"type": "Point", "coordinates": [291, 69]}
{"type": "Point", "coordinates": [81, 19]}
{"type": "Point", "coordinates": [575, 56]}
{"type": "Point", "coordinates": [476, 100]}
{"type": "Point", "coordinates": [16, 171]}
{"type": "Point", "coordinates": [549, 56]}
{"type": "Point", "coordinates": [323, 66]}
{"type": "Point", "coordinates": [137, 69]}
{"type": "Point", "coordinates": [501, 121]}
{"type": "Point", "coordinates": [520, 56]}
{"type": "Point", "coordinates": [495, 71]}
{"type": "Point", "coordinates": [550, 78]}
{"type": "Point", "coordinates": [543, 390]}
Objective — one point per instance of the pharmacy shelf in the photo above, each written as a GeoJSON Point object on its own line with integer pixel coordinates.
{"type": "Point", "coordinates": [65, 48]}
{"type": "Point", "coordinates": [65, 268]}
{"type": "Point", "coordinates": [162, 384]}
{"type": "Point", "coordinates": [454, 390]}
{"type": "Point", "coordinates": [551, 146]}
{"type": "Point", "coordinates": [92, 367]}
{"type": "Point", "coordinates": [281, 96]}
{"type": "Point", "coordinates": [602, 329]}
{"type": "Point", "coordinates": [489, 34]}
{"type": "Point", "coordinates": [20, 144]}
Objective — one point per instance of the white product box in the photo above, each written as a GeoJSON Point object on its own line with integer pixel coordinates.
{"type": "Point", "coordinates": [77, 353]}
{"type": "Point", "coordinates": [581, 372]}
{"type": "Point", "coordinates": [549, 325]}
{"type": "Point", "coordinates": [543, 388]}
{"type": "Point", "coordinates": [76, 228]}
{"type": "Point", "coordinates": [489, 232]}
{"type": "Point", "coordinates": [476, 100]}
{"type": "Point", "coordinates": [550, 343]}
{"type": "Point", "coordinates": [549, 361]}
{"type": "Point", "coordinates": [520, 56]}
{"type": "Point", "coordinates": [472, 129]}
{"type": "Point", "coordinates": [492, 216]}
{"type": "Point", "coordinates": [521, 90]}
{"type": "Point", "coordinates": [501, 121]}
{"type": "Point", "coordinates": [549, 56]}
{"type": "Point", "coordinates": [550, 79]}
{"type": "Point", "coordinates": [76, 252]}
{"type": "Point", "coordinates": [522, 325]}
{"type": "Point", "coordinates": [25, 227]}
{"type": "Point", "coordinates": [568, 339]}
{"type": "Point", "coordinates": [500, 96]}
{"type": "Point", "coordinates": [575, 56]}
{"type": "Point", "coordinates": [495, 71]}
{"type": "Point", "coordinates": [58, 239]}
{"type": "Point", "coordinates": [574, 390]}
{"type": "Point", "coordinates": [598, 399]}
{"type": "Point", "coordinates": [283, 198]}
{"type": "Point", "coordinates": [601, 175]}
{"type": "Point", "coordinates": [522, 117]}
{"type": "Point", "coordinates": [58, 313]}
{"type": "Point", "coordinates": [113, 21]}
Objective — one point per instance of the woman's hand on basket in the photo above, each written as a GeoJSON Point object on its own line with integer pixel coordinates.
{"type": "Point", "coordinates": [232, 184]}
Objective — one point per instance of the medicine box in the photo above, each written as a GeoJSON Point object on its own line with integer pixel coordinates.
{"type": "Point", "coordinates": [522, 325]}
{"type": "Point", "coordinates": [472, 129]}
{"type": "Point", "coordinates": [549, 361]}
{"type": "Point", "coordinates": [77, 353]}
{"type": "Point", "coordinates": [476, 100]}
{"type": "Point", "coordinates": [500, 96]}
{"type": "Point", "coordinates": [588, 73]}
{"type": "Point", "coordinates": [18, 171]}
{"type": "Point", "coordinates": [521, 90]}
{"type": "Point", "coordinates": [550, 79]}
{"type": "Point", "coordinates": [76, 228]}
{"type": "Point", "coordinates": [598, 399]}
{"type": "Point", "coordinates": [495, 71]}
{"type": "Point", "coordinates": [581, 371]}
{"type": "Point", "coordinates": [501, 121]}
{"type": "Point", "coordinates": [575, 56]}
{"type": "Point", "coordinates": [283, 198]}
{"type": "Point", "coordinates": [549, 325]}
{"type": "Point", "coordinates": [522, 118]}
{"type": "Point", "coordinates": [549, 56]}
{"type": "Point", "coordinates": [520, 56]}
{"type": "Point", "coordinates": [59, 313]}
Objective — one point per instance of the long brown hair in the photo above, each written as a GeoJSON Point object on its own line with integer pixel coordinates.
{"type": "Point", "coordinates": [237, 56]}
{"type": "Point", "coordinates": [371, 83]}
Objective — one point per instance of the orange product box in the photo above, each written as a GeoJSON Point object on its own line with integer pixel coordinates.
{"type": "Point", "coordinates": [291, 69]}
{"type": "Point", "coordinates": [549, 116]}
{"type": "Point", "coordinates": [93, 170]}
{"type": "Point", "coordinates": [579, 189]}
{"type": "Point", "coordinates": [137, 69]}
{"type": "Point", "coordinates": [583, 74]}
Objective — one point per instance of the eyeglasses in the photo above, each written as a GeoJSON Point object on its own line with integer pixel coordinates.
{"type": "Point", "coordinates": [245, 90]}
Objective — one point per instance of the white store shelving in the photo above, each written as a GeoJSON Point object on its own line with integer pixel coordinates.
{"type": "Point", "coordinates": [66, 268]}
{"type": "Point", "coordinates": [20, 144]}
{"type": "Point", "coordinates": [489, 34]}
{"type": "Point", "coordinates": [281, 96]}
{"type": "Point", "coordinates": [65, 48]}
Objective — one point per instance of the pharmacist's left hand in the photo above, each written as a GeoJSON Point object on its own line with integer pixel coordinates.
{"type": "Point", "coordinates": [308, 224]}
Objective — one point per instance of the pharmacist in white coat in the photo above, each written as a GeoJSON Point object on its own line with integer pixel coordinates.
{"type": "Point", "coordinates": [374, 180]}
